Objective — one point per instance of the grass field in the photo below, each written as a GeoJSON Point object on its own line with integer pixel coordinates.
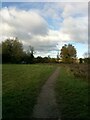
{"type": "Point", "coordinates": [72, 96]}
{"type": "Point", "coordinates": [21, 86]}
{"type": "Point", "coordinates": [0, 91]}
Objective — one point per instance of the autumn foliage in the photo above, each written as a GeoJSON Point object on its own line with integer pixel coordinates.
{"type": "Point", "coordinates": [68, 53]}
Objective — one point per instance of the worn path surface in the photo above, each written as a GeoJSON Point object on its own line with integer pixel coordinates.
{"type": "Point", "coordinates": [46, 106]}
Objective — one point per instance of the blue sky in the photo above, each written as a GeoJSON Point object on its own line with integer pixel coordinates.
{"type": "Point", "coordinates": [46, 26]}
{"type": "Point", "coordinates": [24, 5]}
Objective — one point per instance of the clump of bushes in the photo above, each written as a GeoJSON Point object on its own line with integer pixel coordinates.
{"type": "Point", "coordinates": [80, 70]}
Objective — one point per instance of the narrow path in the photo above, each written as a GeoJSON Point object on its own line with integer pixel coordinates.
{"type": "Point", "coordinates": [46, 106]}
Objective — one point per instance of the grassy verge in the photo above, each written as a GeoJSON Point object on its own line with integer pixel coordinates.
{"type": "Point", "coordinates": [21, 86]}
{"type": "Point", "coordinates": [72, 96]}
{"type": "Point", "coordinates": [0, 91]}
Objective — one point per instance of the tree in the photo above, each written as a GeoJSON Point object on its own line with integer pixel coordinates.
{"type": "Point", "coordinates": [58, 56]}
{"type": "Point", "coordinates": [68, 53]}
{"type": "Point", "coordinates": [30, 55]}
{"type": "Point", "coordinates": [80, 60]}
{"type": "Point", "coordinates": [39, 59]}
{"type": "Point", "coordinates": [12, 51]}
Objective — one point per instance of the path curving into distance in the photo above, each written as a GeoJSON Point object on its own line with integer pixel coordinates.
{"type": "Point", "coordinates": [46, 106]}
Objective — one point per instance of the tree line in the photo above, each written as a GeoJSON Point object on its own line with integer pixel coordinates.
{"type": "Point", "coordinates": [13, 52]}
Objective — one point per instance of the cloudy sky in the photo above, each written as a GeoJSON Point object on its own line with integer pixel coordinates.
{"type": "Point", "coordinates": [46, 26]}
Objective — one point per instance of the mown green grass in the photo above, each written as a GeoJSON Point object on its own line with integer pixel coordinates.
{"type": "Point", "coordinates": [0, 91]}
{"type": "Point", "coordinates": [21, 86]}
{"type": "Point", "coordinates": [72, 96]}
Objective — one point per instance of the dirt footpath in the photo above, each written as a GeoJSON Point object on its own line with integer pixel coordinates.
{"type": "Point", "coordinates": [46, 106]}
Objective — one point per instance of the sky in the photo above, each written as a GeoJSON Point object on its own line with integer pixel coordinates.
{"type": "Point", "coordinates": [45, 0]}
{"type": "Point", "coordinates": [46, 26]}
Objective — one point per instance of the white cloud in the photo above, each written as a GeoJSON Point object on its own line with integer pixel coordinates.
{"type": "Point", "coordinates": [75, 9]}
{"type": "Point", "coordinates": [45, 1]}
{"type": "Point", "coordinates": [33, 29]}
{"type": "Point", "coordinates": [19, 21]}
{"type": "Point", "coordinates": [76, 28]}
{"type": "Point", "coordinates": [62, 9]}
